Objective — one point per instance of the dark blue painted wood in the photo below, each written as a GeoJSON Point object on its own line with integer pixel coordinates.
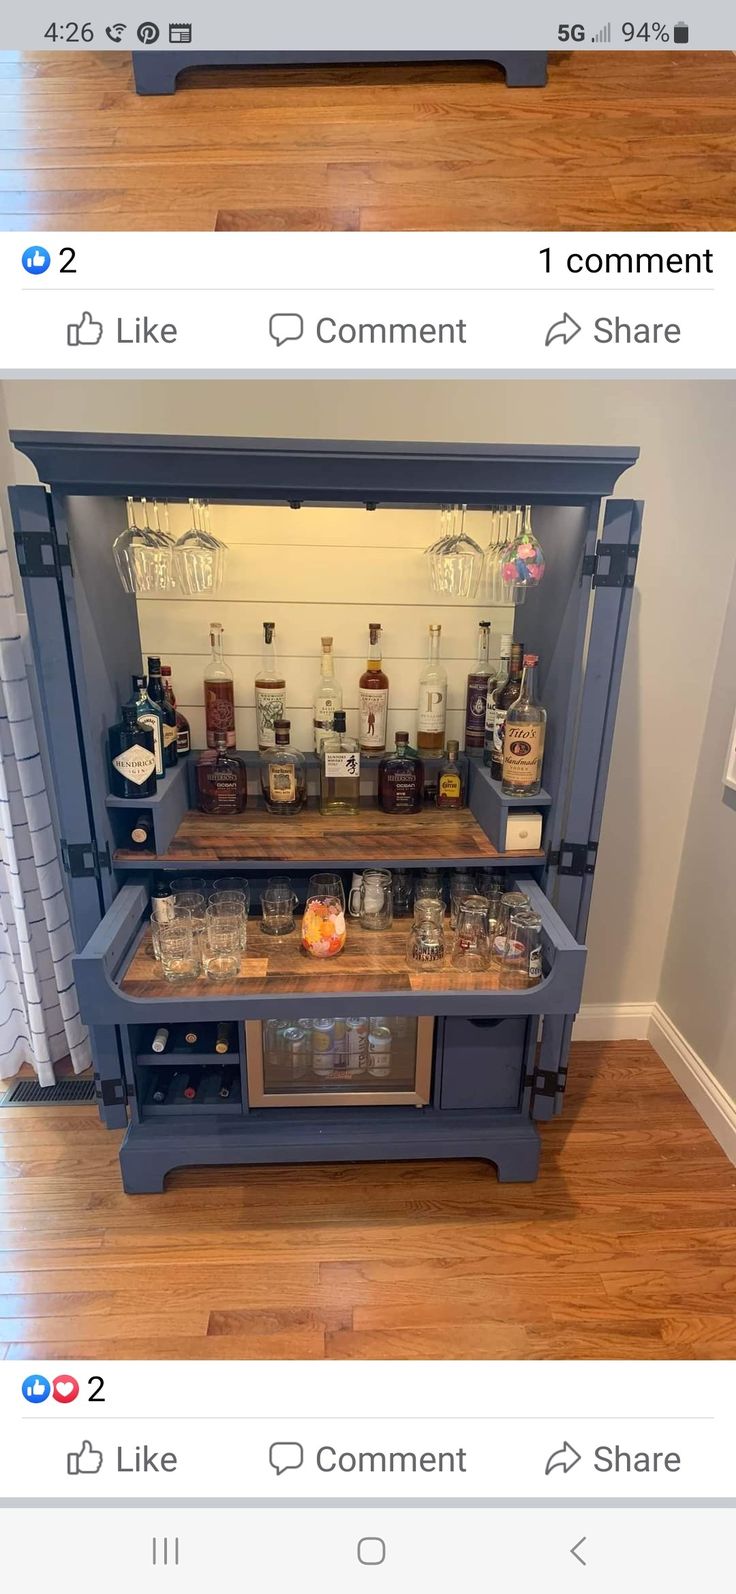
{"type": "Point", "coordinates": [551, 1071]}
{"type": "Point", "coordinates": [165, 810]}
{"type": "Point", "coordinates": [64, 745]}
{"type": "Point", "coordinates": [375, 1134]}
{"type": "Point", "coordinates": [273, 470]}
{"type": "Point", "coordinates": [156, 71]}
{"type": "Point", "coordinates": [483, 1063]}
{"type": "Point", "coordinates": [565, 695]}
{"type": "Point", "coordinates": [491, 807]}
{"type": "Point", "coordinates": [110, 1089]}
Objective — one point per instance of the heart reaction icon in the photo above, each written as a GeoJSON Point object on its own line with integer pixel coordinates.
{"type": "Point", "coordinates": [65, 1388]}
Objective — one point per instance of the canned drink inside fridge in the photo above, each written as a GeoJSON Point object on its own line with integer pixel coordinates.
{"type": "Point", "coordinates": [295, 1042]}
{"type": "Point", "coordinates": [379, 1051]}
{"type": "Point", "coordinates": [356, 1037]}
{"type": "Point", "coordinates": [323, 1034]}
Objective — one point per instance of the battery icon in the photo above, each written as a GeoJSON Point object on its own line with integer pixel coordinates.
{"type": "Point", "coordinates": [681, 33]}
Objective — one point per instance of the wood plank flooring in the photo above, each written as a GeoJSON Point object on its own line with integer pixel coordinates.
{"type": "Point", "coordinates": [614, 141]}
{"type": "Point", "coordinates": [626, 1246]}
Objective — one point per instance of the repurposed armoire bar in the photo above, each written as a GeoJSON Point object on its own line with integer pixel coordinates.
{"type": "Point", "coordinates": [490, 1063]}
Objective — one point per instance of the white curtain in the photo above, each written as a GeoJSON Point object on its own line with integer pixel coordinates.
{"type": "Point", "coordinates": [39, 1012]}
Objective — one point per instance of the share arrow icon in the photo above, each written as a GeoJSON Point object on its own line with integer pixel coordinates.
{"type": "Point", "coordinates": [566, 330]}
{"type": "Point", "coordinates": [566, 1458]}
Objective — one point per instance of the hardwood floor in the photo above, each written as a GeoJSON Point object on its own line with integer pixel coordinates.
{"type": "Point", "coordinates": [614, 141]}
{"type": "Point", "coordinates": [626, 1246]}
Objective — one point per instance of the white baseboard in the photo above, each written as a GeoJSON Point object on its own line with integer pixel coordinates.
{"type": "Point", "coordinates": [613, 1021]}
{"type": "Point", "coordinates": [716, 1108]}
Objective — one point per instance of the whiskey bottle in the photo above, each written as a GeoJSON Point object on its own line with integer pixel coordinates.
{"type": "Point", "coordinates": [219, 695]}
{"type": "Point", "coordinates": [481, 680]}
{"type": "Point", "coordinates": [504, 696]}
{"type": "Point", "coordinates": [340, 770]}
{"type": "Point", "coordinates": [157, 695]}
{"type": "Point", "coordinates": [132, 757]}
{"type": "Point", "coordinates": [450, 779]}
{"type": "Point", "coordinates": [401, 779]}
{"type": "Point", "coordinates": [283, 775]}
{"type": "Point", "coordinates": [149, 714]}
{"type": "Point", "coordinates": [222, 781]}
{"type": "Point", "coordinates": [373, 697]}
{"type": "Point", "coordinates": [327, 697]}
{"type": "Point", "coordinates": [432, 704]}
{"type": "Point", "coordinates": [500, 679]}
{"type": "Point", "coordinates": [183, 733]}
{"type": "Point", "coordinates": [523, 741]}
{"type": "Point", "coordinates": [270, 690]}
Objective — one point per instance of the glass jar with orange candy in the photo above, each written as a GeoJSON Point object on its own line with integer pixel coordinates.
{"type": "Point", "coordinates": [323, 927]}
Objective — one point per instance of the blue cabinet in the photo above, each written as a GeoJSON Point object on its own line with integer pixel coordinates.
{"type": "Point", "coordinates": [487, 1077]}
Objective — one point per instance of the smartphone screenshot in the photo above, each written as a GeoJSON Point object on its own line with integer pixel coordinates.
{"type": "Point", "coordinates": [367, 796]}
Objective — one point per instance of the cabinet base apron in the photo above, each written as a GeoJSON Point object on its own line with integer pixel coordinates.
{"type": "Point", "coordinates": [157, 72]}
{"type": "Point", "coordinates": [151, 1150]}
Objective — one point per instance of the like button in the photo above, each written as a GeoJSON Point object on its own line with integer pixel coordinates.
{"type": "Point", "coordinates": [85, 1460]}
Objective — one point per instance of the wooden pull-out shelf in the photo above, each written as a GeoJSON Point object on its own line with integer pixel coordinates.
{"type": "Point", "coordinates": [255, 839]}
{"type": "Point", "coordinates": [276, 965]}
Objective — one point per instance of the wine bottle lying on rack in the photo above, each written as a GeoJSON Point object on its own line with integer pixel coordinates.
{"type": "Point", "coordinates": [224, 1041]}
{"type": "Point", "coordinates": [228, 1080]}
{"type": "Point", "coordinates": [160, 1087]}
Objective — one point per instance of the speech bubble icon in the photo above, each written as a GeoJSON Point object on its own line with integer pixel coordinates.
{"type": "Point", "coordinates": [286, 1457]}
{"type": "Point", "coordinates": [286, 328]}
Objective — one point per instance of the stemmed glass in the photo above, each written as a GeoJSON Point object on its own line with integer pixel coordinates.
{"type": "Point", "coordinates": [199, 557]}
{"type": "Point", "coordinates": [523, 562]}
{"type": "Point", "coordinates": [455, 560]}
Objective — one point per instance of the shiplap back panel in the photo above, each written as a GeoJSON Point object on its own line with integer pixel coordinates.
{"type": "Point", "coordinates": [320, 572]}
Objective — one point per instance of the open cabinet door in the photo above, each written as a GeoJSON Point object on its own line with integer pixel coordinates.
{"type": "Point", "coordinates": [46, 570]}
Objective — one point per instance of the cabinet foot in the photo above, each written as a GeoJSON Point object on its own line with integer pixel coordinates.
{"type": "Point", "coordinates": [156, 72]}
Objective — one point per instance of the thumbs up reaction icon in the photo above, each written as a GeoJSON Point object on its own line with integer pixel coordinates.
{"type": "Point", "coordinates": [84, 1460]}
{"type": "Point", "coordinates": [84, 331]}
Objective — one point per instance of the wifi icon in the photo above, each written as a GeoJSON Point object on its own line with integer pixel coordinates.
{"type": "Point", "coordinates": [603, 36]}
{"type": "Point", "coordinates": [115, 31]}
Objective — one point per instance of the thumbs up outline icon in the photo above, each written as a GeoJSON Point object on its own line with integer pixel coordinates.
{"type": "Point", "coordinates": [86, 1460]}
{"type": "Point", "coordinates": [86, 331]}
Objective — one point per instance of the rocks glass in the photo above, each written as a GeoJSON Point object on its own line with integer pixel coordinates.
{"type": "Point", "coordinates": [176, 948]}
{"type": "Point", "coordinates": [521, 960]}
{"type": "Point", "coordinates": [224, 942]}
{"type": "Point", "coordinates": [277, 907]}
{"type": "Point", "coordinates": [471, 952]}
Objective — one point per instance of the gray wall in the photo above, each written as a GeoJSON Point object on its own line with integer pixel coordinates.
{"type": "Point", "coordinates": [698, 986]}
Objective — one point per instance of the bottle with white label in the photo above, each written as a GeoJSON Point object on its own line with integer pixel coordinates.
{"type": "Point", "coordinates": [327, 697]}
{"type": "Point", "coordinates": [432, 702]}
{"type": "Point", "coordinates": [340, 773]}
{"type": "Point", "coordinates": [150, 715]}
{"type": "Point", "coordinates": [523, 741]}
{"type": "Point", "coordinates": [270, 690]}
{"type": "Point", "coordinates": [503, 672]}
{"type": "Point", "coordinates": [373, 696]}
{"type": "Point", "coordinates": [132, 757]}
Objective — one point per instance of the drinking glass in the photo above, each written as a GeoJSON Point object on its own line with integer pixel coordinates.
{"type": "Point", "coordinates": [193, 900]}
{"type": "Point", "coordinates": [471, 952]}
{"type": "Point", "coordinates": [429, 884]}
{"type": "Point", "coordinates": [278, 902]}
{"type": "Point", "coordinates": [429, 908]}
{"type": "Point", "coordinates": [198, 557]}
{"type": "Point", "coordinates": [231, 882]}
{"type": "Point", "coordinates": [376, 900]}
{"type": "Point", "coordinates": [176, 949]}
{"type": "Point", "coordinates": [232, 902]}
{"type": "Point", "coordinates": [224, 936]}
{"type": "Point", "coordinates": [462, 885]}
{"type": "Point", "coordinates": [425, 948]}
{"type": "Point", "coordinates": [323, 926]}
{"type": "Point", "coordinates": [183, 883]}
{"type": "Point", "coordinates": [326, 885]}
{"type": "Point", "coordinates": [511, 902]}
{"type": "Point", "coordinates": [521, 961]}
{"type": "Point", "coordinates": [175, 912]}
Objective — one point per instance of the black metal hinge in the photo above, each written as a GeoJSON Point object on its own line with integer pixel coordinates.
{"type": "Point", "coordinates": [83, 860]}
{"type": "Point", "coordinates": [574, 857]}
{"type": "Point", "coordinates": [39, 554]}
{"type": "Point", "coordinates": [612, 565]}
{"type": "Point", "coordinates": [111, 1092]}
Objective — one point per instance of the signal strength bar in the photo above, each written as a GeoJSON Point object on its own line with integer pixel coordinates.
{"type": "Point", "coordinates": [603, 36]}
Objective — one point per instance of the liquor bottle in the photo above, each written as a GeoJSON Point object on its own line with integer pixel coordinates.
{"type": "Point", "coordinates": [504, 696]}
{"type": "Point", "coordinates": [163, 902]}
{"type": "Point", "coordinates": [160, 1039]}
{"type": "Point", "coordinates": [450, 779]}
{"type": "Point", "coordinates": [327, 696]}
{"type": "Point", "coordinates": [523, 741]}
{"type": "Point", "coordinates": [222, 780]}
{"type": "Point", "coordinates": [219, 696]}
{"type": "Point", "coordinates": [157, 695]}
{"type": "Point", "coordinates": [160, 1089]}
{"type": "Point", "coordinates": [141, 834]}
{"type": "Point", "coordinates": [373, 697]}
{"type": "Point", "coordinates": [270, 690]}
{"type": "Point", "coordinates": [183, 733]}
{"type": "Point", "coordinates": [340, 770]}
{"type": "Point", "coordinates": [224, 1036]}
{"type": "Point", "coordinates": [401, 779]}
{"type": "Point", "coordinates": [432, 703]}
{"type": "Point", "coordinates": [283, 774]}
{"type": "Point", "coordinates": [132, 757]}
{"type": "Point", "coordinates": [503, 670]}
{"type": "Point", "coordinates": [481, 681]}
{"type": "Point", "coordinates": [150, 715]}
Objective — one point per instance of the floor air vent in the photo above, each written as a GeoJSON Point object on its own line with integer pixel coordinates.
{"type": "Point", "coordinates": [68, 1093]}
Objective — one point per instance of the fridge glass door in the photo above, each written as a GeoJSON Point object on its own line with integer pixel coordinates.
{"type": "Point", "coordinates": [375, 1060]}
